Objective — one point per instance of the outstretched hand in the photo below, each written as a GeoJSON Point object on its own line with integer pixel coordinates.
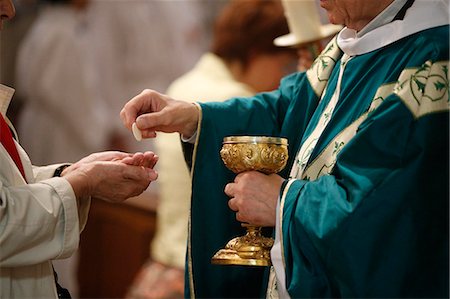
{"type": "Point", "coordinates": [112, 176]}
{"type": "Point", "coordinates": [154, 112]}
{"type": "Point", "coordinates": [146, 159]}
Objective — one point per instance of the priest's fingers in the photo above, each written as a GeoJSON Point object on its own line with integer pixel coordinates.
{"type": "Point", "coordinates": [131, 110]}
{"type": "Point", "coordinates": [239, 217]}
{"type": "Point", "coordinates": [230, 189]}
{"type": "Point", "coordinates": [147, 101]}
{"type": "Point", "coordinates": [238, 177]}
{"type": "Point", "coordinates": [246, 176]}
{"type": "Point", "coordinates": [149, 123]}
{"type": "Point", "coordinates": [232, 204]}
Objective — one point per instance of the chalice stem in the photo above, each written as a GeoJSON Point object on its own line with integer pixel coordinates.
{"type": "Point", "coordinates": [252, 230]}
{"type": "Point", "coordinates": [243, 153]}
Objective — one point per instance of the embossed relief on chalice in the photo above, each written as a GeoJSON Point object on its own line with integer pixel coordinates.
{"type": "Point", "coordinates": [244, 153]}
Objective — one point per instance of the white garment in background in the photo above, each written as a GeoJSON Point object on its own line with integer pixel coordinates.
{"type": "Point", "coordinates": [209, 80]}
{"type": "Point", "coordinates": [141, 44]}
{"type": "Point", "coordinates": [76, 70]}
{"type": "Point", "coordinates": [60, 121]}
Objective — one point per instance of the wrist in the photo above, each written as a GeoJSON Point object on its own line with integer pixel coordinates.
{"type": "Point", "coordinates": [192, 123]}
{"type": "Point", "coordinates": [82, 184]}
{"type": "Point", "coordinates": [59, 172]}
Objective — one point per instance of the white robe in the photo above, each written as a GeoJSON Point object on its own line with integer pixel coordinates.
{"type": "Point", "coordinates": [39, 222]}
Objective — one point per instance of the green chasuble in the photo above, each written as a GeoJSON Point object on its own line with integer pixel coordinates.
{"type": "Point", "coordinates": [368, 216]}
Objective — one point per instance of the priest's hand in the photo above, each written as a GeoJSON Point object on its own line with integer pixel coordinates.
{"type": "Point", "coordinates": [254, 197]}
{"type": "Point", "coordinates": [153, 111]}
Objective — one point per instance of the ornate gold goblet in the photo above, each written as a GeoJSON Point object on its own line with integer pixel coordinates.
{"type": "Point", "coordinates": [244, 153]}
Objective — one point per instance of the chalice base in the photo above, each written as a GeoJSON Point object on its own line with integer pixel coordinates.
{"type": "Point", "coordinates": [253, 249]}
{"type": "Point", "coordinates": [244, 153]}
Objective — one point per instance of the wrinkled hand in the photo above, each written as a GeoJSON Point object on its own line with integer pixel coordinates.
{"type": "Point", "coordinates": [154, 112]}
{"type": "Point", "coordinates": [254, 197]}
{"type": "Point", "coordinates": [101, 156]}
{"type": "Point", "coordinates": [112, 176]}
{"type": "Point", "coordinates": [147, 159]}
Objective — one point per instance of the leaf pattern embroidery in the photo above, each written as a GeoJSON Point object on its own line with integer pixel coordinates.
{"type": "Point", "coordinates": [338, 147]}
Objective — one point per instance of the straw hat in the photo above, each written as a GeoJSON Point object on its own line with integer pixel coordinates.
{"type": "Point", "coordinates": [304, 24]}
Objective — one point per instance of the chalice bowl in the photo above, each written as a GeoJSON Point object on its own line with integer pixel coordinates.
{"type": "Point", "coordinates": [244, 153]}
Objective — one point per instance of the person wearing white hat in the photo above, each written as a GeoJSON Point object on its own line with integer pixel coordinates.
{"type": "Point", "coordinates": [307, 32]}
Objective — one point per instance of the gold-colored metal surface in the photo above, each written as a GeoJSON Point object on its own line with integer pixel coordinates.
{"type": "Point", "coordinates": [253, 249]}
{"type": "Point", "coordinates": [244, 153]}
{"type": "Point", "coordinates": [255, 139]}
{"type": "Point", "coordinates": [264, 154]}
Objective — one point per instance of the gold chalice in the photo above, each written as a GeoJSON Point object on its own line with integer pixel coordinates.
{"type": "Point", "coordinates": [244, 153]}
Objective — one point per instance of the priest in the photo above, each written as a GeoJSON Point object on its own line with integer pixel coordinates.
{"type": "Point", "coordinates": [362, 208]}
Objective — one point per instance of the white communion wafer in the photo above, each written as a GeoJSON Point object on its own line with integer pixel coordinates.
{"type": "Point", "coordinates": [136, 132]}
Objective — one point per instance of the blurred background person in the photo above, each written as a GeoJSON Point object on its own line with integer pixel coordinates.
{"type": "Point", "coordinates": [81, 59]}
{"type": "Point", "coordinates": [10, 38]}
{"type": "Point", "coordinates": [44, 209]}
{"type": "Point", "coordinates": [242, 61]}
{"type": "Point", "coordinates": [102, 55]}
{"type": "Point", "coordinates": [54, 79]}
{"type": "Point", "coordinates": [308, 33]}
{"type": "Point", "coordinates": [132, 38]}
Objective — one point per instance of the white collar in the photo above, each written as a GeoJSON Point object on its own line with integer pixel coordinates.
{"type": "Point", "coordinates": [6, 94]}
{"type": "Point", "coordinates": [423, 14]}
{"type": "Point", "coordinates": [385, 17]}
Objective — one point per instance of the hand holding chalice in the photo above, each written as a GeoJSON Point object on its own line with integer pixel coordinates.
{"type": "Point", "coordinates": [244, 153]}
